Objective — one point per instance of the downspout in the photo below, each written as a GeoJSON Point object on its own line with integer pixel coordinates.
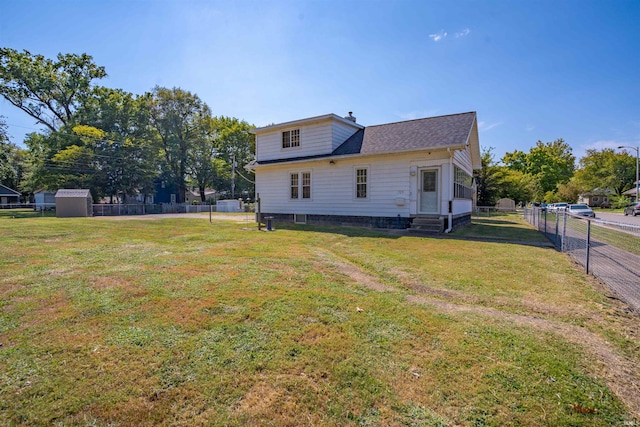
{"type": "Point", "coordinates": [451, 190]}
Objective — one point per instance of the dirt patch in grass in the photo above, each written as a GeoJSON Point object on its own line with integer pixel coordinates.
{"type": "Point", "coordinates": [620, 374]}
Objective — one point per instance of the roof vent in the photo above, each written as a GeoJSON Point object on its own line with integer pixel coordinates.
{"type": "Point", "coordinates": [351, 117]}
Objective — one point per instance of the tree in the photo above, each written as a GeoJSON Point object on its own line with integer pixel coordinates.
{"type": "Point", "coordinates": [569, 191]}
{"type": "Point", "coordinates": [11, 159]}
{"type": "Point", "coordinates": [487, 180]}
{"type": "Point", "coordinates": [48, 90]}
{"type": "Point", "coordinates": [549, 165]}
{"type": "Point", "coordinates": [177, 116]}
{"type": "Point", "coordinates": [118, 133]}
{"type": "Point", "coordinates": [237, 145]}
{"type": "Point", "coordinates": [606, 169]}
{"type": "Point", "coordinates": [513, 184]}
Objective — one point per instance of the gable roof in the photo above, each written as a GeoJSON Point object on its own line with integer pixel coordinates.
{"type": "Point", "coordinates": [72, 193]}
{"type": "Point", "coordinates": [6, 191]}
{"type": "Point", "coordinates": [441, 132]}
{"type": "Point", "coordinates": [306, 121]}
{"type": "Point", "coordinates": [433, 132]}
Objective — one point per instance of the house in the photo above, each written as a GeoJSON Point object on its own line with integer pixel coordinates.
{"type": "Point", "coordinates": [73, 203]}
{"type": "Point", "coordinates": [330, 169]}
{"type": "Point", "coordinates": [633, 192]}
{"type": "Point", "coordinates": [599, 197]}
{"type": "Point", "coordinates": [193, 196]}
{"type": "Point", "coordinates": [8, 195]}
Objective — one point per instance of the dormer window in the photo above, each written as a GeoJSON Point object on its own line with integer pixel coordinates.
{"type": "Point", "coordinates": [291, 138]}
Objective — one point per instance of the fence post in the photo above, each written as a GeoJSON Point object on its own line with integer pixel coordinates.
{"type": "Point", "coordinates": [586, 262]}
{"type": "Point", "coordinates": [564, 231]}
{"type": "Point", "coordinates": [259, 212]}
{"type": "Point", "coordinates": [556, 236]}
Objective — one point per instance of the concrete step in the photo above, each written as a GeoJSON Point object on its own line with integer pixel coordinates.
{"type": "Point", "coordinates": [426, 225]}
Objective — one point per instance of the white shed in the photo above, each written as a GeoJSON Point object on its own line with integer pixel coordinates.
{"type": "Point", "coordinates": [73, 203]}
{"type": "Point", "coordinates": [231, 205]}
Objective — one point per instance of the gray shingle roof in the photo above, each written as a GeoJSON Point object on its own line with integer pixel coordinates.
{"type": "Point", "coordinates": [421, 134]}
{"type": "Point", "coordinates": [433, 132]}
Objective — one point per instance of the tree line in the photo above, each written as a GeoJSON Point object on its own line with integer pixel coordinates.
{"type": "Point", "coordinates": [115, 143]}
{"type": "Point", "coordinates": [548, 173]}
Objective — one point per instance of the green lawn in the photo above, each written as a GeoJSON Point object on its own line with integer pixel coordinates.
{"type": "Point", "coordinates": [184, 322]}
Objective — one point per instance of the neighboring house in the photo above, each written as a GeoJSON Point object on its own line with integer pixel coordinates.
{"type": "Point", "coordinates": [598, 197]}
{"type": "Point", "coordinates": [192, 196]}
{"type": "Point", "coordinates": [8, 195]}
{"type": "Point", "coordinates": [632, 193]}
{"type": "Point", "coordinates": [330, 169]}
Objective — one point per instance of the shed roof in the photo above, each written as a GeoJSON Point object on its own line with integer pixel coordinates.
{"type": "Point", "coordinates": [73, 193]}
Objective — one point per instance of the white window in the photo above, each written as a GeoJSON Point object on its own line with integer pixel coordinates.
{"type": "Point", "coordinates": [362, 183]}
{"type": "Point", "coordinates": [306, 185]}
{"type": "Point", "coordinates": [462, 184]}
{"type": "Point", "coordinates": [291, 138]}
{"type": "Point", "coordinates": [300, 185]}
{"type": "Point", "coordinates": [294, 185]}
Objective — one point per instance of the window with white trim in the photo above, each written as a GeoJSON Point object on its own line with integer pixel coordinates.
{"type": "Point", "coordinates": [361, 183]}
{"type": "Point", "coordinates": [294, 186]}
{"type": "Point", "coordinates": [306, 185]}
{"type": "Point", "coordinates": [291, 138]}
{"type": "Point", "coordinates": [300, 185]}
{"type": "Point", "coordinates": [462, 184]}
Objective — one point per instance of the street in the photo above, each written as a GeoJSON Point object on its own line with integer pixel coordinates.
{"type": "Point", "coordinates": [618, 217]}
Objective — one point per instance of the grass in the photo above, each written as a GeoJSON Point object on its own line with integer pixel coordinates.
{"type": "Point", "coordinates": [183, 322]}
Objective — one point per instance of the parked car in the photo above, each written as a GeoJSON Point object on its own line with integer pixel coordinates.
{"type": "Point", "coordinates": [581, 210]}
{"type": "Point", "coordinates": [632, 209]}
{"type": "Point", "coordinates": [557, 207]}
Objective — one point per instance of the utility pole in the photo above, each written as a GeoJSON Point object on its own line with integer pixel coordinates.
{"type": "Point", "coordinates": [233, 176]}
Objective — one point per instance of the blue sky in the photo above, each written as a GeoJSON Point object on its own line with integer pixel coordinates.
{"type": "Point", "coordinates": [533, 70]}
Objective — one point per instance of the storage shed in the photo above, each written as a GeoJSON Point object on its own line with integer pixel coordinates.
{"type": "Point", "coordinates": [231, 205]}
{"type": "Point", "coordinates": [73, 203]}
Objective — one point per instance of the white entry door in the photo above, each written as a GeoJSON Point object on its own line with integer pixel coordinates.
{"type": "Point", "coordinates": [429, 191]}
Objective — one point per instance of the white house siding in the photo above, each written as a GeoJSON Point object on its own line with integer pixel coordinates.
{"type": "Point", "coordinates": [316, 138]}
{"type": "Point", "coordinates": [462, 159]}
{"type": "Point", "coordinates": [392, 178]}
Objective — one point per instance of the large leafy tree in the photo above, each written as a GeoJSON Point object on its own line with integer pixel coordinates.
{"type": "Point", "coordinates": [12, 162]}
{"type": "Point", "coordinates": [487, 179]}
{"type": "Point", "coordinates": [48, 90]}
{"type": "Point", "coordinates": [117, 131]}
{"type": "Point", "coordinates": [606, 169]}
{"type": "Point", "coordinates": [549, 164]}
{"type": "Point", "coordinates": [177, 116]}
{"type": "Point", "coordinates": [237, 146]}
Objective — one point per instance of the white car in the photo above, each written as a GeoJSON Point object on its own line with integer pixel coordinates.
{"type": "Point", "coordinates": [581, 210]}
{"type": "Point", "coordinates": [557, 207]}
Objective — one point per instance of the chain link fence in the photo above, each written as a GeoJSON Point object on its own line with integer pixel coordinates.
{"type": "Point", "coordinates": [609, 251]}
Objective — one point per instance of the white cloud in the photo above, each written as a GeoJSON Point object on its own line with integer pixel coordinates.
{"type": "Point", "coordinates": [463, 33]}
{"type": "Point", "coordinates": [439, 36]}
{"type": "Point", "coordinates": [529, 128]}
{"type": "Point", "coordinates": [485, 127]}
